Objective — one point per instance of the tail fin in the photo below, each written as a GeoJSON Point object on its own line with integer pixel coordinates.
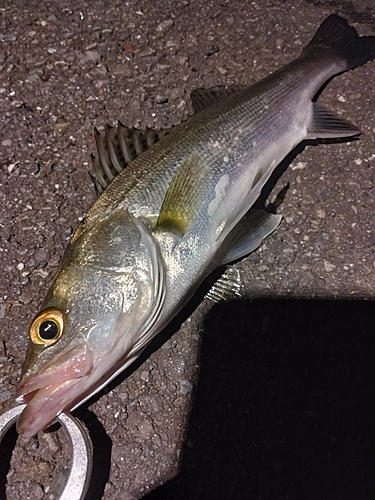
{"type": "Point", "coordinates": [336, 36]}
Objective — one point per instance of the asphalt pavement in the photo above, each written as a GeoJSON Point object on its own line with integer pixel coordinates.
{"type": "Point", "coordinates": [269, 397]}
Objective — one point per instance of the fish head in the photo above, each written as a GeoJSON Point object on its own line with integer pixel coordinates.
{"type": "Point", "coordinates": [95, 319]}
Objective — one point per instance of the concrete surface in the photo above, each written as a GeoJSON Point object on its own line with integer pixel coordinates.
{"type": "Point", "coordinates": [271, 397]}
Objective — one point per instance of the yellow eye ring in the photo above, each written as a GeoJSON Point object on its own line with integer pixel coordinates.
{"type": "Point", "coordinates": [47, 327]}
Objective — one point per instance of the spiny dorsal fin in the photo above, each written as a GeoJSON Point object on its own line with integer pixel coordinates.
{"type": "Point", "coordinates": [184, 195]}
{"type": "Point", "coordinates": [118, 147]}
{"type": "Point", "coordinates": [205, 98]}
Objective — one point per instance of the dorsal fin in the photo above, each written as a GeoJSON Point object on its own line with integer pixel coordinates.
{"type": "Point", "coordinates": [205, 98]}
{"type": "Point", "coordinates": [328, 124]}
{"type": "Point", "coordinates": [118, 147]}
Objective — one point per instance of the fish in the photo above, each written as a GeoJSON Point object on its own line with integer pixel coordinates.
{"type": "Point", "coordinates": [175, 205]}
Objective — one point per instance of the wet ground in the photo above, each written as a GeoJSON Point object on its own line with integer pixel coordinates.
{"type": "Point", "coordinates": [271, 397]}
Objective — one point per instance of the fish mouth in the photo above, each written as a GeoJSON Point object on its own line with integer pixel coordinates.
{"type": "Point", "coordinates": [52, 390]}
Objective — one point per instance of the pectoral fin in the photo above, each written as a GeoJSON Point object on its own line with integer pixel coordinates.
{"type": "Point", "coordinates": [184, 196]}
{"type": "Point", "coordinates": [247, 199]}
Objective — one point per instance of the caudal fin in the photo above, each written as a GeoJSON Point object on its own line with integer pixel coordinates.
{"type": "Point", "coordinates": [336, 36]}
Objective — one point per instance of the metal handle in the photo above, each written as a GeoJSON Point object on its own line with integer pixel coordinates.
{"type": "Point", "coordinates": [81, 455]}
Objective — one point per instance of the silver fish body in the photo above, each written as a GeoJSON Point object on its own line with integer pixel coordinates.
{"type": "Point", "coordinates": [177, 212]}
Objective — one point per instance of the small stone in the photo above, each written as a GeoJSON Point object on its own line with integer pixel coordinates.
{"type": "Point", "coordinates": [40, 255]}
{"type": "Point", "coordinates": [124, 396]}
{"type": "Point", "coordinates": [298, 166]}
{"type": "Point", "coordinates": [185, 387]}
{"type": "Point", "coordinates": [33, 78]}
{"type": "Point", "coordinates": [165, 25]}
{"type": "Point", "coordinates": [161, 99]}
{"type": "Point", "coordinates": [38, 491]}
{"type": "Point", "coordinates": [42, 273]}
{"type": "Point", "coordinates": [148, 51]}
{"type": "Point", "coordinates": [328, 266]}
{"type": "Point", "coordinates": [4, 396]}
{"type": "Point", "coordinates": [212, 50]}
{"type": "Point", "coordinates": [129, 48]}
{"type": "Point", "coordinates": [54, 260]}
{"type": "Point", "coordinates": [89, 56]}
{"type": "Point", "coordinates": [171, 43]}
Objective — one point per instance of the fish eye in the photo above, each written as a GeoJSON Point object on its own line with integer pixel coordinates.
{"type": "Point", "coordinates": [47, 327]}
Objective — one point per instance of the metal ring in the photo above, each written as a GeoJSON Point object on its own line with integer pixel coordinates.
{"type": "Point", "coordinates": [81, 454]}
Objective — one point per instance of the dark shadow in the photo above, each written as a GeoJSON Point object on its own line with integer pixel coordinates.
{"type": "Point", "coordinates": [284, 406]}
{"type": "Point", "coordinates": [7, 446]}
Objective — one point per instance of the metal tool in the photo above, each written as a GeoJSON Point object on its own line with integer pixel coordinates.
{"type": "Point", "coordinates": [81, 452]}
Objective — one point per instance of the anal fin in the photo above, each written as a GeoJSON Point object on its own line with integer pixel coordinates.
{"type": "Point", "coordinates": [228, 287]}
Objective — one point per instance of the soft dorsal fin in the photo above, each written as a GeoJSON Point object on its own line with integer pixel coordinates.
{"type": "Point", "coordinates": [184, 195]}
{"type": "Point", "coordinates": [205, 98]}
{"type": "Point", "coordinates": [328, 124]}
{"type": "Point", "coordinates": [118, 147]}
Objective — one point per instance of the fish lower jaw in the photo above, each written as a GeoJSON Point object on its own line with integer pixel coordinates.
{"type": "Point", "coordinates": [43, 406]}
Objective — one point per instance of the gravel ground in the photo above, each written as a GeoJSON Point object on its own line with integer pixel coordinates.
{"type": "Point", "coordinates": [266, 398]}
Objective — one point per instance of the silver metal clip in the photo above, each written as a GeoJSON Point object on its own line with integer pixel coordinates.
{"type": "Point", "coordinates": [81, 452]}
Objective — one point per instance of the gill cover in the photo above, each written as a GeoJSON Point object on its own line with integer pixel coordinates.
{"type": "Point", "coordinates": [97, 316]}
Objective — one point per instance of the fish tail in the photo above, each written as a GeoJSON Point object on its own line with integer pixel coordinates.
{"type": "Point", "coordinates": [336, 37]}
